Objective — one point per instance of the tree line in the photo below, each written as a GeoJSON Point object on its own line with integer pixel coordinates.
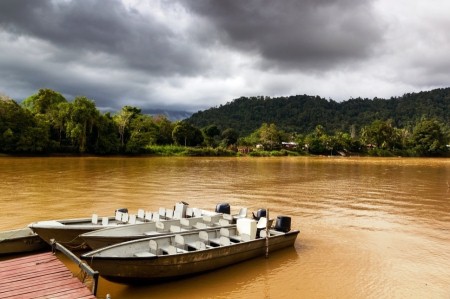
{"type": "Point", "coordinates": [415, 124]}
{"type": "Point", "coordinates": [46, 123]}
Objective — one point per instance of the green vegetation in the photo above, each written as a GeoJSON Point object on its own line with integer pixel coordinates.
{"type": "Point", "coordinates": [412, 125]}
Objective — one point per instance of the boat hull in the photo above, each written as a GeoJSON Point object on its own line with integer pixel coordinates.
{"type": "Point", "coordinates": [65, 232]}
{"type": "Point", "coordinates": [114, 235]}
{"type": "Point", "coordinates": [20, 241]}
{"type": "Point", "coordinates": [135, 270]}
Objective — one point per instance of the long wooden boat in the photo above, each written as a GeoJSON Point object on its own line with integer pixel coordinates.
{"type": "Point", "coordinates": [113, 235]}
{"type": "Point", "coordinates": [20, 240]}
{"type": "Point", "coordinates": [180, 255]}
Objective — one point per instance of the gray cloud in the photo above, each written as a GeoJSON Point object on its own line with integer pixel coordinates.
{"type": "Point", "coordinates": [296, 34]}
{"type": "Point", "coordinates": [194, 54]}
{"type": "Point", "coordinates": [78, 28]}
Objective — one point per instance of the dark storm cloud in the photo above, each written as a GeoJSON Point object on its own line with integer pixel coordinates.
{"type": "Point", "coordinates": [195, 54]}
{"type": "Point", "coordinates": [296, 33]}
{"type": "Point", "coordinates": [80, 27]}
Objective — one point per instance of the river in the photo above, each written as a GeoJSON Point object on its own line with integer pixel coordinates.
{"type": "Point", "coordinates": [370, 227]}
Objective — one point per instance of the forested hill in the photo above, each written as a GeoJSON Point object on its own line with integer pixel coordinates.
{"type": "Point", "coordinates": [302, 113]}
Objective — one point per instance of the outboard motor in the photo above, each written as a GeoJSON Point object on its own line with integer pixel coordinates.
{"type": "Point", "coordinates": [223, 208]}
{"type": "Point", "coordinates": [122, 210]}
{"type": "Point", "coordinates": [283, 224]}
{"type": "Point", "coordinates": [260, 213]}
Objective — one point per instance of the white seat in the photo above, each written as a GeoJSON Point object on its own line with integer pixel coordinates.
{"type": "Point", "coordinates": [197, 212]}
{"type": "Point", "coordinates": [240, 238]}
{"type": "Point", "coordinates": [185, 222]}
{"type": "Point", "coordinates": [189, 212]}
{"type": "Point", "coordinates": [141, 214]}
{"type": "Point", "coordinates": [105, 221]}
{"type": "Point", "coordinates": [159, 225]}
{"type": "Point", "coordinates": [246, 226]}
{"type": "Point", "coordinates": [227, 217]}
{"type": "Point", "coordinates": [224, 241]}
{"type": "Point", "coordinates": [223, 222]}
{"type": "Point", "coordinates": [169, 213]}
{"type": "Point", "coordinates": [197, 245]}
{"type": "Point", "coordinates": [175, 229]}
{"type": "Point", "coordinates": [125, 217]}
{"type": "Point", "coordinates": [154, 248]}
{"type": "Point", "coordinates": [177, 215]}
{"type": "Point", "coordinates": [224, 232]}
{"type": "Point", "coordinates": [242, 212]}
{"type": "Point", "coordinates": [118, 216]}
{"type": "Point", "coordinates": [204, 236]}
{"type": "Point", "coordinates": [171, 249]}
{"type": "Point", "coordinates": [148, 216]}
{"type": "Point", "coordinates": [132, 219]}
{"type": "Point", "coordinates": [162, 212]}
{"type": "Point", "coordinates": [94, 219]}
{"type": "Point", "coordinates": [180, 210]}
{"type": "Point", "coordinates": [179, 239]}
{"type": "Point", "coordinates": [200, 225]}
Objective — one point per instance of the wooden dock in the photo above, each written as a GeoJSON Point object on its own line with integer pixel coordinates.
{"type": "Point", "coordinates": [40, 276]}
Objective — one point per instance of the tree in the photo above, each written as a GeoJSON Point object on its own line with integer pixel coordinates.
{"type": "Point", "coordinates": [165, 130]}
{"type": "Point", "coordinates": [19, 130]}
{"type": "Point", "coordinates": [381, 134]}
{"type": "Point", "coordinates": [58, 116]}
{"type": "Point", "coordinates": [123, 119]}
{"type": "Point", "coordinates": [34, 139]}
{"type": "Point", "coordinates": [229, 137]}
{"type": "Point", "coordinates": [186, 134]}
{"type": "Point", "coordinates": [318, 141]}
{"type": "Point", "coordinates": [107, 141]}
{"type": "Point", "coordinates": [82, 117]}
{"type": "Point", "coordinates": [143, 132]}
{"type": "Point", "coordinates": [269, 135]}
{"type": "Point", "coordinates": [211, 135]}
{"type": "Point", "coordinates": [429, 139]}
{"type": "Point", "coordinates": [43, 101]}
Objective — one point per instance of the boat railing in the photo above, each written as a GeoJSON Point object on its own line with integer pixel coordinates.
{"type": "Point", "coordinates": [82, 265]}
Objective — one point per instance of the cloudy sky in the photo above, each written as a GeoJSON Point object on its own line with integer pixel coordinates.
{"type": "Point", "coordinates": [193, 55]}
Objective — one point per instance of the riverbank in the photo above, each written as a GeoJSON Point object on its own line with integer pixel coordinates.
{"type": "Point", "coordinates": [187, 151]}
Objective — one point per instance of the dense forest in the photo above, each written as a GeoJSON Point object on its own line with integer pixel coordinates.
{"type": "Point", "coordinates": [412, 125]}
{"type": "Point", "coordinates": [303, 113]}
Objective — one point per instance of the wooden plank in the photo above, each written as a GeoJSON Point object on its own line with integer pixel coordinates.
{"type": "Point", "coordinates": [39, 276]}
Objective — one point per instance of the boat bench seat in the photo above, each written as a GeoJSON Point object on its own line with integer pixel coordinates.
{"type": "Point", "coordinates": [240, 238]}
{"type": "Point", "coordinates": [197, 245]}
{"type": "Point", "coordinates": [172, 250]}
{"type": "Point", "coordinates": [143, 254]}
{"type": "Point", "coordinates": [151, 233]}
{"type": "Point", "coordinates": [221, 241]}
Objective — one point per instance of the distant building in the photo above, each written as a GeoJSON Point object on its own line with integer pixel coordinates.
{"type": "Point", "coordinates": [289, 145]}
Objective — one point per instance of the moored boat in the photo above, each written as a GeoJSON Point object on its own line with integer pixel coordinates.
{"type": "Point", "coordinates": [20, 241]}
{"type": "Point", "coordinates": [113, 235]}
{"type": "Point", "coordinates": [67, 231]}
{"type": "Point", "coordinates": [184, 254]}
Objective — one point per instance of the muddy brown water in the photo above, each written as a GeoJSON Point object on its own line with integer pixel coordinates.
{"type": "Point", "coordinates": [370, 227]}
